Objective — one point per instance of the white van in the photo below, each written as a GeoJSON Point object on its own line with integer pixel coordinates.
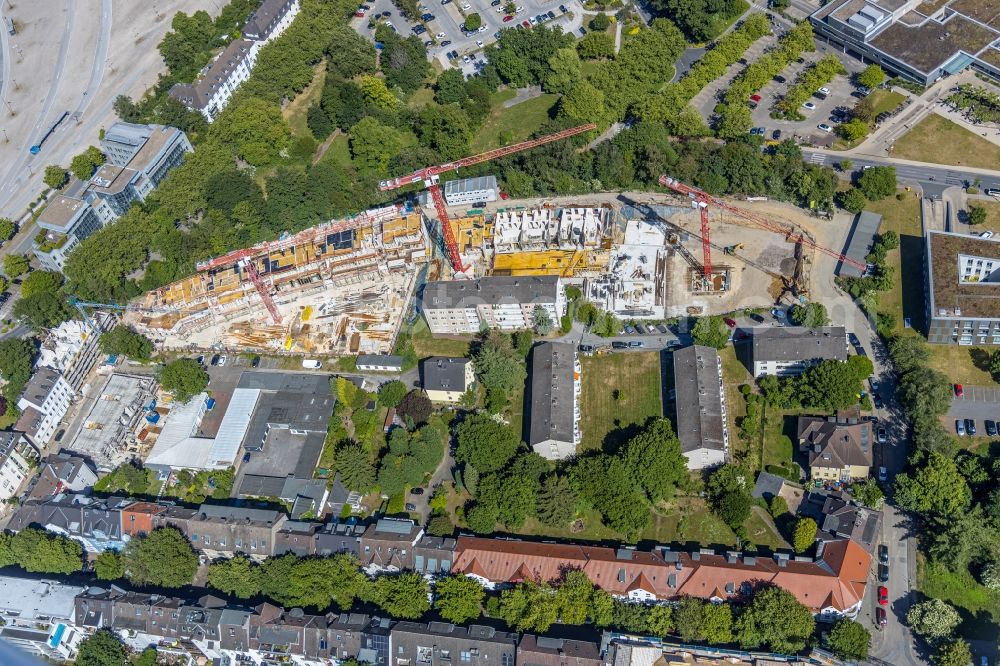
{"type": "Point", "coordinates": [311, 364]}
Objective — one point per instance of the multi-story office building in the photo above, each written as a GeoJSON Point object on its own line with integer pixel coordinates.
{"type": "Point", "coordinates": [463, 307]}
{"type": "Point", "coordinates": [139, 158]}
{"type": "Point", "coordinates": [962, 276]}
{"type": "Point", "coordinates": [920, 41]}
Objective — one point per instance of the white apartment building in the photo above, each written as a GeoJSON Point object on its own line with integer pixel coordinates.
{"type": "Point", "coordinates": [72, 349]}
{"type": "Point", "coordinates": [210, 94]}
{"type": "Point", "coordinates": [791, 350]}
{"type": "Point", "coordinates": [464, 307]}
{"type": "Point", "coordinates": [38, 617]}
{"type": "Point", "coordinates": [16, 457]}
{"type": "Point", "coordinates": [468, 191]}
{"type": "Point", "coordinates": [43, 403]}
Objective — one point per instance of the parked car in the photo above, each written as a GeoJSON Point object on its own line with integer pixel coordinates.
{"type": "Point", "coordinates": [959, 390]}
{"type": "Point", "coordinates": [808, 105]}
{"type": "Point", "coordinates": [883, 553]}
{"type": "Point", "coordinates": [635, 343]}
{"type": "Point", "coordinates": [551, 14]}
{"type": "Point", "coordinates": [991, 427]}
{"type": "Point", "coordinates": [418, 29]}
{"type": "Point", "coordinates": [883, 572]}
{"type": "Point", "coordinates": [986, 234]}
{"type": "Point", "coordinates": [883, 595]}
{"type": "Point", "coordinates": [754, 101]}
{"type": "Point", "coordinates": [823, 127]}
{"type": "Point", "coordinates": [246, 457]}
{"type": "Point", "coordinates": [882, 474]}
{"type": "Point", "coordinates": [629, 329]}
{"type": "Point", "coordinates": [880, 618]}
{"type": "Point", "coordinates": [427, 17]}
{"type": "Point", "coordinates": [200, 360]}
{"type": "Point", "coordinates": [586, 349]}
{"type": "Point", "coordinates": [877, 401]}
{"type": "Point", "coordinates": [618, 344]}
{"type": "Point", "coordinates": [215, 360]}
{"type": "Point", "coordinates": [525, 24]}
{"type": "Point", "coordinates": [496, 3]}
{"type": "Point", "coordinates": [447, 42]}
{"type": "Point", "coordinates": [466, 6]}
{"type": "Point", "coordinates": [411, 507]}
{"type": "Point", "coordinates": [882, 437]}
{"type": "Point", "coordinates": [255, 362]}
{"type": "Point", "coordinates": [508, 18]}
{"type": "Point", "coordinates": [873, 382]}
{"type": "Point", "coordinates": [757, 318]}
{"type": "Point", "coordinates": [853, 339]}
{"type": "Point", "coordinates": [479, 43]}
{"type": "Point", "coordinates": [222, 361]}
{"type": "Point", "coordinates": [757, 131]}
{"type": "Point", "coordinates": [417, 491]}
{"type": "Point", "coordinates": [959, 427]}
{"type": "Point", "coordinates": [970, 425]}
{"type": "Point", "coordinates": [731, 323]}
{"type": "Point", "coordinates": [440, 35]}
{"type": "Point", "coordinates": [779, 79]}
{"type": "Point", "coordinates": [563, 9]}
{"type": "Point", "coordinates": [776, 134]}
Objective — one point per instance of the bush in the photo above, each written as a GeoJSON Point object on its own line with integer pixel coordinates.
{"type": "Point", "coordinates": [600, 23]}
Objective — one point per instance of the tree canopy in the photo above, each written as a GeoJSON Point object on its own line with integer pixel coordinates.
{"type": "Point", "coordinates": [102, 648]}
{"type": "Point", "coordinates": [710, 332]}
{"type": "Point", "coordinates": [775, 618]}
{"type": "Point", "coordinates": [459, 599]}
{"type": "Point", "coordinates": [124, 341]}
{"type": "Point", "coordinates": [184, 378]}
{"type": "Point", "coordinates": [163, 557]}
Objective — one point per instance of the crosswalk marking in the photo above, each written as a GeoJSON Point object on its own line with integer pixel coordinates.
{"type": "Point", "coordinates": [817, 158]}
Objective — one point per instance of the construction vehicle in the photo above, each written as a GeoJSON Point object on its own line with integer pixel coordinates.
{"type": "Point", "coordinates": [701, 199]}
{"type": "Point", "coordinates": [430, 177]}
{"type": "Point", "coordinates": [731, 249]}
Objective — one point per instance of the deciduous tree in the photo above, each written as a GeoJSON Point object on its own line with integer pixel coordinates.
{"type": "Point", "coordinates": [15, 265]}
{"type": "Point", "coordinates": [102, 648]}
{"type": "Point", "coordinates": [54, 176]}
{"type": "Point", "coordinates": [237, 576]}
{"type": "Point", "coordinates": [871, 77]}
{"type": "Point", "coordinates": [654, 460]}
{"type": "Point", "coordinates": [109, 566]}
{"type": "Point", "coordinates": [163, 557]}
{"type": "Point", "coordinates": [850, 640]}
{"type": "Point", "coordinates": [933, 619]}
{"type": "Point", "coordinates": [878, 182]}
{"type": "Point", "coordinates": [391, 393]}
{"type": "Point", "coordinates": [124, 341]}
{"type": "Point", "coordinates": [42, 310]}
{"type": "Point", "coordinates": [459, 599]}
{"type": "Point", "coordinates": [529, 606]}
{"type": "Point", "coordinates": [403, 595]}
{"type": "Point", "coordinates": [710, 332]}
{"type": "Point", "coordinates": [184, 378]}
{"type": "Point", "coordinates": [775, 618]}
{"type": "Point", "coordinates": [85, 164]}
{"type": "Point", "coordinates": [935, 489]}
{"type": "Point", "coordinates": [805, 534]}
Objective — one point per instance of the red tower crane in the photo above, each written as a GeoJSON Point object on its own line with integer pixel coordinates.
{"type": "Point", "coordinates": [429, 177]}
{"type": "Point", "coordinates": [265, 295]}
{"type": "Point", "coordinates": [703, 199]}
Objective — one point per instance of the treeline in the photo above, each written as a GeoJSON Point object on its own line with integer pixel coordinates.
{"type": "Point", "coordinates": [734, 114]}
{"type": "Point", "coordinates": [828, 386]}
{"type": "Point", "coordinates": [194, 39]}
{"type": "Point", "coordinates": [675, 97]}
{"type": "Point", "coordinates": [700, 20]}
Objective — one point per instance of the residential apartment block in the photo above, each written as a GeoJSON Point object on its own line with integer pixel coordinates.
{"type": "Point", "coordinates": [62, 472]}
{"type": "Point", "coordinates": [443, 644]}
{"type": "Point", "coordinates": [791, 350]}
{"type": "Point", "coordinates": [840, 448]}
{"type": "Point", "coordinates": [446, 379]}
{"type": "Point", "coordinates": [17, 455]}
{"type": "Point", "coordinates": [463, 307]}
{"type": "Point", "coordinates": [702, 421]}
{"type": "Point", "coordinates": [139, 158]}
{"type": "Point", "coordinates": [38, 617]}
{"type": "Point", "coordinates": [72, 348]}
{"type": "Point", "coordinates": [554, 426]}
{"type": "Point", "coordinates": [43, 403]}
{"type": "Point", "coordinates": [831, 585]}
{"type": "Point", "coordinates": [210, 94]}
{"type": "Point", "coordinates": [962, 276]}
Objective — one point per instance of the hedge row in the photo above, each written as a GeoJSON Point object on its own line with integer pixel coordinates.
{"type": "Point", "coordinates": [809, 81]}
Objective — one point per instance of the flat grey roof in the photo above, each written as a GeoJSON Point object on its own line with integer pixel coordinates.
{"type": "Point", "coordinates": [32, 598]}
{"type": "Point", "coordinates": [798, 343]}
{"type": "Point", "coordinates": [491, 290]}
{"type": "Point", "coordinates": [552, 397]}
{"type": "Point", "coordinates": [698, 386]}
{"type": "Point", "coordinates": [859, 242]}
{"type": "Point", "coordinates": [389, 360]}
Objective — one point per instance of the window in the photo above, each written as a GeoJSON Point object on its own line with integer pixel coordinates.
{"type": "Point", "coordinates": [464, 656]}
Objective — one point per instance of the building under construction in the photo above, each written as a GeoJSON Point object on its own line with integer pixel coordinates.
{"type": "Point", "coordinates": [337, 288]}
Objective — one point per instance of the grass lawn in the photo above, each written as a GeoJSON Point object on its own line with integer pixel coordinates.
{"type": "Point", "coordinates": [637, 375]}
{"type": "Point", "coordinates": [425, 344]}
{"type": "Point", "coordinates": [958, 363]}
{"type": "Point", "coordinates": [296, 110]}
{"type": "Point", "coordinates": [992, 215]}
{"type": "Point", "coordinates": [939, 140]}
{"type": "Point", "coordinates": [688, 519]}
{"type": "Point", "coordinates": [339, 151]}
{"type": "Point", "coordinates": [515, 411]}
{"type": "Point", "coordinates": [779, 449]}
{"type": "Point", "coordinates": [516, 123]}
{"type": "Point", "coordinates": [734, 374]}
{"type": "Point", "coordinates": [762, 530]}
{"type": "Point", "coordinates": [421, 98]}
{"type": "Point", "coordinates": [906, 298]}
{"type": "Point", "coordinates": [885, 101]}
{"type": "Point", "coordinates": [979, 607]}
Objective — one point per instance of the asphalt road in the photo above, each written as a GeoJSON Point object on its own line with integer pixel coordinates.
{"type": "Point", "coordinates": [933, 180]}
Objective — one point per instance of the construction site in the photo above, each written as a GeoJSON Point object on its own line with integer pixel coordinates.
{"type": "Point", "coordinates": [345, 287]}
{"type": "Point", "coordinates": [335, 289]}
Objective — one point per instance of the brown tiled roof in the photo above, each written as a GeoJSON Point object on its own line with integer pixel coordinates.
{"type": "Point", "coordinates": [836, 444]}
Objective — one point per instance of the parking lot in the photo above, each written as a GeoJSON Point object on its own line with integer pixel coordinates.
{"type": "Point", "coordinates": [443, 33]}
{"type": "Point", "coordinates": [979, 403]}
{"type": "Point", "coordinates": [842, 94]}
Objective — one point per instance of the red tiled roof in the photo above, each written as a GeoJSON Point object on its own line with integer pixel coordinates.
{"type": "Point", "coordinates": [837, 579]}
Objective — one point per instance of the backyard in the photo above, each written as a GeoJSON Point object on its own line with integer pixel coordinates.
{"type": "Point", "coordinates": [619, 390]}
{"type": "Point", "coordinates": [425, 344]}
{"type": "Point", "coordinates": [939, 140]}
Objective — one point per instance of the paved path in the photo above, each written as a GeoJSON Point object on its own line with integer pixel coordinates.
{"type": "Point", "coordinates": [523, 95]}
